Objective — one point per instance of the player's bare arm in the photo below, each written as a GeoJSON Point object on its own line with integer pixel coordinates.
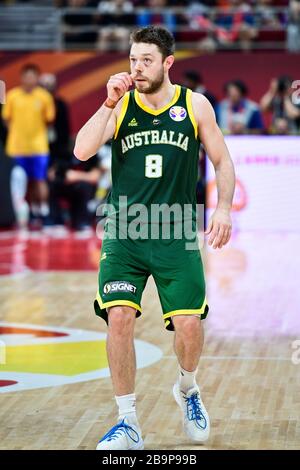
{"type": "Point", "coordinates": [101, 126]}
{"type": "Point", "coordinates": [219, 226]}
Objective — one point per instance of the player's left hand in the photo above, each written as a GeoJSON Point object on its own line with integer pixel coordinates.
{"type": "Point", "coordinates": [219, 228]}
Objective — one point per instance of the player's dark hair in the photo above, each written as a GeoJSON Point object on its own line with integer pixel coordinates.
{"type": "Point", "coordinates": [30, 68]}
{"type": "Point", "coordinates": [155, 35]}
{"type": "Point", "coordinates": [194, 76]}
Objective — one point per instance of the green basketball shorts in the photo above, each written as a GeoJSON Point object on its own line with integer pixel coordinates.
{"type": "Point", "coordinates": [125, 266]}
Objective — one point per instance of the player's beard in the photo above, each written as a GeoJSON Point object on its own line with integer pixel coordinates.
{"type": "Point", "coordinates": [153, 85]}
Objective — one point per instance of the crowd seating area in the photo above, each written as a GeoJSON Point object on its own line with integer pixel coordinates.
{"type": "Point", "coordinates": [208, 25]}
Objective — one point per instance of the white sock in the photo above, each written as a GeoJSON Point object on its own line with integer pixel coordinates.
{"type": "Point", "coordinates": [35, 209]}
{"type": "Point", "coordinates": [187, 379]}
{"type": "Point", "coordinates": [126, 404]}
{"type": "Point", "coordinates": [44, 209]}
{"type": "Point", "coordinates": [40, 210]}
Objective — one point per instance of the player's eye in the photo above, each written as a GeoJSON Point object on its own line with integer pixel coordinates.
{"type": "Point", "coordinates": [147, 61]}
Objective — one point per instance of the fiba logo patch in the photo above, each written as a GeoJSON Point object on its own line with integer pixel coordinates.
{"type": "Point", "coordinates": [177, 113]}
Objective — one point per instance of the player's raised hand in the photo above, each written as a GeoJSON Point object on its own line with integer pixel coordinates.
{"type": "Point", "coordinates": [219, 228]}
{"type": "Point", "coordinates": [117, 85]}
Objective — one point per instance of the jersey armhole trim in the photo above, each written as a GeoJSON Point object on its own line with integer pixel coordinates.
{"type": "Point", "coordinates": [122, 113]}
{"type": "Point", "coordinates": [189, 106]}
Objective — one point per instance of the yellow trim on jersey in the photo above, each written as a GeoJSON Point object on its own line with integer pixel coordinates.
{"type": "Point", "coordinates": [122, 113]}
{"type": "Point", "coordinates": [156, 112]}
{"type": "Point", "coordinates": [115, 303]}
{"type": "Point", "coordinates": [197, 311]}
{"type": "Point", "coordinates": [189, 106]}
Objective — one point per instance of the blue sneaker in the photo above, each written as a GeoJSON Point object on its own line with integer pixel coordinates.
{"type": "Point", "coordinates": [123, 436]}
{"type": "Point", "coordinates": [196, 422]}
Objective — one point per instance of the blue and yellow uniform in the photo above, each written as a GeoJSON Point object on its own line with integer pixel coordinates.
{"type": "Point", "coordinates": [28, 114]}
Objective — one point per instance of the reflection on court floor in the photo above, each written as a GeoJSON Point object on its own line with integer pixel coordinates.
{"type": "Point", "coordinates": [21, 251]}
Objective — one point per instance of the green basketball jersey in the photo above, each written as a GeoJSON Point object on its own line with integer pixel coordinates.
{"type": "Point", "coordinates": [155, 153]}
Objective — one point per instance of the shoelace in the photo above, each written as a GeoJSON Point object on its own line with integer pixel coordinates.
{"type": "Point", "coordinates": [194, 410]}
{"type": "Point", "coordinates": [117, 431]}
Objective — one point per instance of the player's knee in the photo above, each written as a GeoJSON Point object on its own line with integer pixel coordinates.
{"type": "Point", "coordinates": [187, 325]}
{"type": "Point", "coordinates": [121, 319]}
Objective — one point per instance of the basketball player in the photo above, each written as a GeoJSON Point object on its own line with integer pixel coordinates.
{"type": "Point", "coordinates": [156, 131]}
{"type": "Point", "coordinates": [28, 111]}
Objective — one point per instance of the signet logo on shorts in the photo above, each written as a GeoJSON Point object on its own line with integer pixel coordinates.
{"type": "Point", "coordinates": [119, 286]}
{"type": "Point", "coordinates": [106, 289]}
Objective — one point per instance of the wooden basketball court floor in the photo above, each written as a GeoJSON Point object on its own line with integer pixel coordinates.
{"type": "Point", "coordinates": [249, 372]}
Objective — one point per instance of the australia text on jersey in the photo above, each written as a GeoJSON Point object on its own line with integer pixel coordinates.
{"type": "Point", "coordinates": [153, 137]}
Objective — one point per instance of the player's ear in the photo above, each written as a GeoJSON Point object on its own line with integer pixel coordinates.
{"type": "Point", "coordinates": [169, 61]}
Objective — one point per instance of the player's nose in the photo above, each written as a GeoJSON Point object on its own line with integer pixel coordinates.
{"type": "Point", "coordinates": [138, 66]}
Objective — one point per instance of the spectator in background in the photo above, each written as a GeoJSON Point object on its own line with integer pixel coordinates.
{"type": "Point", "coordinates": [76, 183]}
{"type": "Point", "coordinates": [293, 30]}
{"type": "Point", "coordinates": [115, 17]}
{"type": "Point", "coordinates": [3, 129]}
{"type": "Point", "coordinates": [238, 25]}
{"type": "Point", "coordinates": [194, 81]}
{"type": "Point", "coordinates": [7, 212]}
{"type": "Point", "coordinates": [266, 15]}
{"type": "Point", "coordinates": [75, 18]}
{"type": "Point", "coordinates": [104, 185]}
{"type": "Point", "coordinates": [200, 17]}
{"type": "Point", "coordinates": [278, 100]}
{"type": "Point", "coordinates": [157, 12]}
{"type": "Point", "coordinates": [59, 130]}
{"type": "Point", "coordinates": [69, 179]}
{"type": "Point", "coordinates": [235, 24]}
{"type": "Point", "coordinates": [75, 3]}
{"type": "Point", "coordinates": [236, 113]}
{"type": "Point", "coordinates": [29, 109]}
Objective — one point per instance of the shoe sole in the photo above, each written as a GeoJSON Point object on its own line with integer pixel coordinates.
{"type": "Point", "coordinates": [138, 446]}
{"type": "Point", "coordinates": [177, 399]}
